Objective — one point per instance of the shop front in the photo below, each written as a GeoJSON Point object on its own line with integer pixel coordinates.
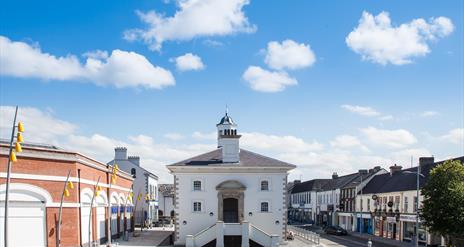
{"type": "Point", "coordinates": [392, 228]}
{"type": "Point", "coordinates": [345, 220]}
{"type": "Point", "coordinates": [408, 222]}
{"type": "Point", "coordinates": [364, 223]}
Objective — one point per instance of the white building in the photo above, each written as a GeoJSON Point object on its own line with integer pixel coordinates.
{"type": "Point", "coordinates": [230, 194]}
{"type": "Point", "coordinates": [166, 200]}
{"type": "Point", "coordinates": [145, 187]}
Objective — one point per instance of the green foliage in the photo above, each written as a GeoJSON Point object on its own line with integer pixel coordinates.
{"type": "Point", "coordinates": [443, 208]}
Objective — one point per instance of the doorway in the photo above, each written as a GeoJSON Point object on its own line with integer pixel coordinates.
{"type": "Point", "coordinates": [230, 210]}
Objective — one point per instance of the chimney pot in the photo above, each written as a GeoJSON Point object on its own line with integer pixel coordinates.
{"type": "Point", "coordinates": [334, 175]}
{"type": "Point", "coordinates": [120, 153]}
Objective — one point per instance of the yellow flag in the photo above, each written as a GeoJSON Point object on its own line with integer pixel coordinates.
{"type": "Point", "coordinates": [18, 147]}
{"type": "Point", "coordinates": [20, 127]}
{"type": "Point", "coordinates": [13, 157]}
{"type": "Point", "coordinates": [20, 137]}
{"type": "Point", "coordinates": [70, 185]}
{"type": "Point", "coordinates": [66, 192]}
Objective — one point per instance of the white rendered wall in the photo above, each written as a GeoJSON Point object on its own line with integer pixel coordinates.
{"type": "Point", "coordinates": [253, 196]}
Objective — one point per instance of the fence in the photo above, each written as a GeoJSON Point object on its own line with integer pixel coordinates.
{"type": "Point", "coordinates": [303, 233]}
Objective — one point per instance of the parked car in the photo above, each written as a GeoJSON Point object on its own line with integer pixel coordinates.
{"type": "Point", "coordinates": [335, 230]}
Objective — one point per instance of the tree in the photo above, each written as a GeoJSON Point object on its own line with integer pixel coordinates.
{"type": "Point", "coordinates": [443, 206]}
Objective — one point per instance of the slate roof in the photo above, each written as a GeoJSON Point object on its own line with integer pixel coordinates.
{"type": "Point", "coordinates": [247, 159]}
{"type": "Point", "coordinates": [311, 185]}
{"type": "Point", "coordinates": [355, 182]}
{"type": "Point", "coordinates": [401, 181]}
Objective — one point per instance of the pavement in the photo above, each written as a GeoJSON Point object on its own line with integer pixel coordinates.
{"type": "Point", "coordinates": [156, 236]}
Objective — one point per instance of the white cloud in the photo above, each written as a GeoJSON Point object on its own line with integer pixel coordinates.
{"type": "Point", "coordinates": [362, 110]}
{"type": "Point", "coordinates": [41, 126]}
{"type": "Point", "coordinates": [274, 143]}
{"type": "Point", "coordinates": [174, 136]}
{"type": "Point", "coordinates": [267, 81]}
{"type": "Point", "coordinates": [289, 55]}
{"type": "Point", "coordinates": [348, 142]}
{"type": "Point", "coordinates": [399, 138]}
{"type": "Point", "coordinates": [193, 19]}
{"type": "Point", "coordinates": [454, 136]}
{"type": "Point", "coordinates": [188, 61]}
{"type": "Point", "coordinates": [376, 40]}
{"type": "Point", "coordinates": [403, 157]}
{"type": "Point", "coordinates": [212, 43]}
{"type": "Point", "coordinates": [386, 117]}
{"type": "Point", "coordinates": [429, 113]}
{"type": "Point", "coordinates": [204, 136]}
{"type": "Point", "coordinates": [120, 69]}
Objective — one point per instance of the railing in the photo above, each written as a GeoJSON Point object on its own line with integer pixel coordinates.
{"type": "Point", "coordinates": [303, 233]}
{"type": "Point", "coordinates": [259, 236]}
{"type": "Point", "coordinates": [205, 236]}
{"type": "Point", "coordinates": [232, 229]}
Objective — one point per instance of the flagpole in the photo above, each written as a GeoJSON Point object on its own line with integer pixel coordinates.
{"type": "Point", "coordinates": [58, 228]}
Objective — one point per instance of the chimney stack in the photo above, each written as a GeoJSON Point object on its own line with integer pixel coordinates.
{"type": "Point", "coordinates": [120, 153]}
{"type": "Point", "coordinates": [135, 160]}
{"type": "Point", "coordinates": [394, 169]}
{"type": "Point", "coordinates": [334, 175]}
{"type": "Point", "coordinates": [362, 171]}
{"type": "Point", "coordinates": [296, 181]}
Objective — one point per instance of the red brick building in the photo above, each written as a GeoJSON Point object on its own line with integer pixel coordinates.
{"type": "Point", "coordinates": [37, 181]}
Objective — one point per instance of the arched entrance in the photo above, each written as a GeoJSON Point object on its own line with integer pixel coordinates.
{"type": "Point", "coordinates": [230, 201]}
{"type": "Point", "coordinates": [230, 210]}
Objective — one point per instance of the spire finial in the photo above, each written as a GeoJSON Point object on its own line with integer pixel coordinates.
{"type": "Point", "coordinates": [227, 109]}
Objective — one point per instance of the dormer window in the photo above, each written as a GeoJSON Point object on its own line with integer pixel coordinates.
{"type": "Point", "coordinates": [264, 185]}
{"type": "Point", "coordinates": [197, 185]}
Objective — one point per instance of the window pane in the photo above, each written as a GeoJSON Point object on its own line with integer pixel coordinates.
{"type": "Point", "coordinates": [264, 185]}
{"type": "Point", "coordinates": [196, 185]}
{"type": "Point", "coordinates": [264, 207]}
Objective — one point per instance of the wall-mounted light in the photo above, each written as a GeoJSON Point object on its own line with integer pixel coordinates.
{"type": "Point", "coordinates": [250, 214]}
{"type": "Point", "coordinates": [211, 213]}
{"type": "Point", "coordinates": [277, 222]}
{"type": "Point", "coordinates": [184, 222]}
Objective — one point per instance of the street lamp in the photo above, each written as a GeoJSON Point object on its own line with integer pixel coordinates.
{"type": "Point", "coordinates": [416, 233]}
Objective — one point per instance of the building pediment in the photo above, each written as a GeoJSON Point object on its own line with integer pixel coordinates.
{"type": "Point", "coordinates": [230, 185]}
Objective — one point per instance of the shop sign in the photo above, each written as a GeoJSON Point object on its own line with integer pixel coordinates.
{"type": "Point", "coordinates": [408, 218]}
{"type": "Point", "coordinates": [365, 216]}
{"type": "Point", "coordinates": [391, 219]}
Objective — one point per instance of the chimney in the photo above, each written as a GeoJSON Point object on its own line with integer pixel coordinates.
{"type": "Point", "coordinates": [135, 160]}
{"type": "Point", "coordinates": [377, 168]}
{"type": "Point", "coordinates": [334, 175]}
{"type": "Point", "coordinates": [394, 169]}
{"type": "Point", "coordinates": [362, 171]}
{"type": "Point", "coordinates": [120, 153]}
{"type": "Point", "coordinates": [426, 160]}
{"type": "Point", "coordinates": [296, 181]}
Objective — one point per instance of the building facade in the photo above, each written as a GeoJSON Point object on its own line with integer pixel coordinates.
{"type": "Point", "coordinates": [230, 194]}
{"type": "Point", "coordinates": [348, 217]}
{"type": "Point", "coordinates": [37, 182]}
{"type": "Point", "coordinates": [389, 200]}
{"type": "Point", "coordinates": [145, 186]}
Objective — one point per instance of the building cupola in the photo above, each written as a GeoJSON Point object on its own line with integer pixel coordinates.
{"type": "Point", "coordinates": [228, 139]}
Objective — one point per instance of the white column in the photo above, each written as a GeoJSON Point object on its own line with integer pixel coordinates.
{"type": "Point", "coordinates": [245, 234]}
{"type": "Point", "coordinates": [189, 241]}
{"type": "Point", "coordinates": [220, 234]}
{"type": "Point", "coordinates": [274, 240]}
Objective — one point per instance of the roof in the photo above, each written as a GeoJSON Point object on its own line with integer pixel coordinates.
{"type": "Point", "coordinates": [311, 185]}
{"type": "Point", "coordinates": [401, 181]}
{"type": "Point", "coordinates": [247, 159]}
{"type": "Point", "coordinates": [226, 120]}
{"type": "Point", "coordinates": [355, 182]}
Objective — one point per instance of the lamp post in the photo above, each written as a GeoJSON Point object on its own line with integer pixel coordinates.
{"type": "Point", "coordinates": [65, 193]}
{"type": "Point", "coordinates": [96, 191]}
{"type": "Point", "coordinates": [11, 158]}
{"type": "Point", "coordinates": [416, 233]}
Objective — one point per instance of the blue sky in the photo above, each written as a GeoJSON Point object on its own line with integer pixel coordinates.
{"type": "Point", "coordinates": [409, 94]}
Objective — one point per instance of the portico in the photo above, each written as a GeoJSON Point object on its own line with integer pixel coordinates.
{"type": "Point", "coordinates": [230, 201]}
